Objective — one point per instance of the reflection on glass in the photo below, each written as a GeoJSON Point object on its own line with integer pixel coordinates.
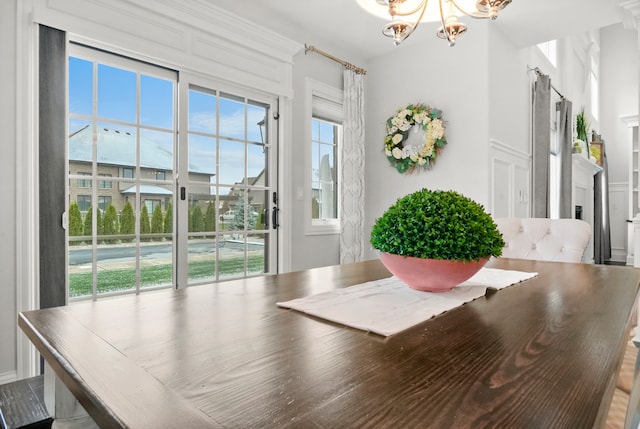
{"type": "Point", "coordinates": [202, 258]}
{"type": "Point", "coordinates": [202, 154]}
{"type": "Point", "coordinates": [231, 162]}
{"type": "Point", "coordinates": [116, 94]}
{"type": "Point", "coordinates": [156, 102]}
{"type": "Point", "coordinates": [80, 143]}
{"type": "Point", "coordinates": [232, 118]}
{"type": "Point", "coordinates": [256, 255]}
{"type": "Point", "coordinates": [256, 163]}
{"type": "Point", "coordinates": [80, 272]}
{"type": "Point", "coordinates": [203, 213]}
{"type": "Point", "coordinates": [202, 112]}
{"type": "Point", "coordinates": [116, 269]}
{"type": "Point", "coordinates": [116, 144]}
{"type": "Point", "coordinates": [80, 87]}
{"type": "Point", "coordinates": [256, 124]}
{"type": "Point", "coordinates": [156, 155]}
{"type": "Point", "coordinates": [232, 257]}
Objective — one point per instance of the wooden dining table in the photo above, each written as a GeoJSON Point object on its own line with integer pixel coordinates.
{"type": "Point", "coordinates": [543, 353]}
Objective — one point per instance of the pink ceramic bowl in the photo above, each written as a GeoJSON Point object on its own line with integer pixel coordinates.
{"type": "Point", "coordinates": [431, 275]}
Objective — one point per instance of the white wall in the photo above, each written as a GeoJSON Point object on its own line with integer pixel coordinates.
{"type": "Point", "coordinates": [619, 74]}
{"type": "Point", "coordinates": [8, 313]}
{"type": "Point", "coordinates": [308, 251]}
{"type": "Point", "coordinates": [509, 92]}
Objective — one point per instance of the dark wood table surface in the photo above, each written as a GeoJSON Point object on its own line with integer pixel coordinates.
{"type": "Point", "coordinates": [541, 354]}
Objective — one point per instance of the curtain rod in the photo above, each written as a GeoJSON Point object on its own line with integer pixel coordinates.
{"type": "Point", "coordinates": [346, 64]}
{"type": "Point", "coordinates": [539, 73]}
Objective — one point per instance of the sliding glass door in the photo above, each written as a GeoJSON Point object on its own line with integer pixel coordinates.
{"type": "Point", "coordinates": [149, 207]}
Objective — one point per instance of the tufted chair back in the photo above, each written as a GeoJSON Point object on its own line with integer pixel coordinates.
{"type": "Point", "coordinates": [563, 240]}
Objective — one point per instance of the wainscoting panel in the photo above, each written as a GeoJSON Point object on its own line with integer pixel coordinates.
{"type": "Point", "coordinates": [618, 213]}
{"type": "Point", "coordinates": [509, 181]}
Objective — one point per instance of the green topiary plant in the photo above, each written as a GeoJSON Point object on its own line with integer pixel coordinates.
{"type": "Point", "coordinates": [437, 225]}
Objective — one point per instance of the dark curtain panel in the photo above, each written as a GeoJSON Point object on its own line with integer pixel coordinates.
{"type": "Point", "coordinates": [52, 141]}
{"type": "Point", "coordinates": [566, 147]}
{"type": "Point", "coordinates": [601, 230]}
{"type": "Point", "coordinates": [541, 145]}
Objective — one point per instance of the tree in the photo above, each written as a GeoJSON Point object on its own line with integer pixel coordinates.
{"type": "Point", "coordinates": [75, 220]}
{"type": "Point", "coordinates": [157, 225]}
{"type": "Point", "coordinates": [237, 223]}
{"type": "Point", "coordinates": [110, 221]}
{"type": "Point", "coordinates": [127, 220]}
{"type": "Point", "coordinates": [168, 219]}
{"type": "Point", "coordinates": [88, 222]}
{"type": "Point", "coordinates": [210, 218]}
{"type": "Point", "coordinates": [145, 226]}
{"type": "Point", "coordinates": [197, 219]}
{"type": "Point", "coordinates": [99, 222]}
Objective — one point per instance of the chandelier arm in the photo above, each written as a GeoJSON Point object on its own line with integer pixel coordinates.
{"type": "Point", "coordinates": [422, 5]}
{"type": "Point", "coordinates": [424, 8]}
{"type": "Point", "coordinates": [444, 25]}
{"type": "Point", "coordinates": [476, 14]}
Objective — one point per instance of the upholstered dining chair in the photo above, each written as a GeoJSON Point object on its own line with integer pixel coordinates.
{"type": "Point", "coordinates": [562, 240]}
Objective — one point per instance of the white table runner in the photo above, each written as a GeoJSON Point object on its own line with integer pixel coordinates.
{"type": "Point", "coordinates": [388, 306]}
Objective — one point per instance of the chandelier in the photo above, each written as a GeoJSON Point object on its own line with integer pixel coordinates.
{"type": "Point", "coordinates": [407, 14]}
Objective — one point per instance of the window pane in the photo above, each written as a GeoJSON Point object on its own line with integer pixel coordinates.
{"type": "Point", "coordinates": [80, 86]}
{"type": "Point", "coordinates": [256, 128]}
{"type": "Point", "coordinates": [232, 119]}
{"type": "Point", "coordinates": [156, 152]}
{"type": "Point", "coordinates": [202, 155]}
{"type": "Point", "coordinates": [326, 132]}
{"type": "Point", "coordinates": [202, 112]}
{"type": "Point", "coordinates": [231, 162]}
{"type": "Point", "coordinates": [156, 102]}
{"type": "Point", "coordinates": [116, 93]}
{"type": "Point", "coordinates": [116, 144]}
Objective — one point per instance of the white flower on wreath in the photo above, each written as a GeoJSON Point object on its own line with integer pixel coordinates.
{"type": "Point", "coordinates": [405, 158]}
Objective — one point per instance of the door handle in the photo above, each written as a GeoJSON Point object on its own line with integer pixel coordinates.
{"type": "Point", "coordinates": [274, 218]}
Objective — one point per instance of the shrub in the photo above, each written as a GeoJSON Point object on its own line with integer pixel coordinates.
{"type": "Point", "coordinates": [127, 220]}
{"type": "Point", "coordinates": [210, 218]}
{"type": "Point", "coordinates": [437, 225]}
{"type": "Point", "coordinates": [75, 220]}
{"type": "Point", "coordinates": [110, 221]}
{"type": "Point", "coordinates": [145, 226]}
{"type": "Point", "coordinates": [197, 220]}
{"type": "Point", "coordinates": [168, 219]}
{"type": "Point", "coordinates": [157, 225]}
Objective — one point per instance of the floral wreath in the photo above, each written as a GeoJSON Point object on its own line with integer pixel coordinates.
{"type": "Point", "coordinates": [406, 158]}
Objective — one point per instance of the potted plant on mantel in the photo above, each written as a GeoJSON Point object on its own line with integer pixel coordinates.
{"type": "Point", "coordinates": [434, 240]}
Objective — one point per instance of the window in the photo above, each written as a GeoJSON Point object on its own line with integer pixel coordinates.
{"type": "Point", "coordinates": [325, 115]}
{"type": "Point", "coordinates": [104, 202]}
{"type": "Point", "coordinates": [160, 175]}
{"type": "Point", "coordinates": [104, 184]}
{"type": "Point", "coordinates": [127, 173]}
{"type": "Point", "coordinates": [83, 183]}
{"type": "Point", "coordinates": [151, 204]}
{"type": "Point", "coordinates": [324, 144]}
{"type": "Point", "coordinates": [84, 202]}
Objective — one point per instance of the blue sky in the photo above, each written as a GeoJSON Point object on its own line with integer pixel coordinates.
{"type": "Point", "coordinates": [116, 101]}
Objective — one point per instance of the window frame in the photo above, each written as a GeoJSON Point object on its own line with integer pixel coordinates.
{"type": "Point", "coordinates": [323, 102]}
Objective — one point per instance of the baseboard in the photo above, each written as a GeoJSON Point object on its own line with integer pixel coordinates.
{"type": "Point", "coordinates": [8, 377]}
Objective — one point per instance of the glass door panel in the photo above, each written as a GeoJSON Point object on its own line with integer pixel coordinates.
{"type": "Point", "coordinates": [122, 135]}
{"type": "Point", "coordinates": [228, 148]}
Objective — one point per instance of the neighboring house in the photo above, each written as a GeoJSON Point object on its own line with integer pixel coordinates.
{"type": "Point", "coordinates": [116, 170]}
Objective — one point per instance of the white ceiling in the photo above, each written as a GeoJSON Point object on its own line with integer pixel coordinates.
{"type": "Point", "coordinates": [343, 24]}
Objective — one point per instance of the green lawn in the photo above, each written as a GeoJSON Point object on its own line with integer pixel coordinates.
{"type": "Point", "coordinates": [80, 284]}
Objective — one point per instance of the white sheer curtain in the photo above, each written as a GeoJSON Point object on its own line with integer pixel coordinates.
{"type": "Point", "coordinates": [352, 170]}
